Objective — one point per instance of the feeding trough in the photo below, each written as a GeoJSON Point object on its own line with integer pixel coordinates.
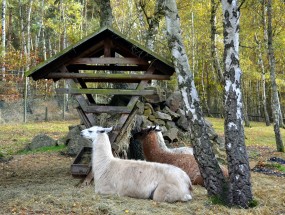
{"type": "Point", "coordinates": [82, 163]}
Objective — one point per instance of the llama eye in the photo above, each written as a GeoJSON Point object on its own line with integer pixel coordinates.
{"type": "Point", "coordinates": [90, 131]}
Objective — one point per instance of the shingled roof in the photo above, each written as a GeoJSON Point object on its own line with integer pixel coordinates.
{"type": "Point", "coordinates": [93, 47]}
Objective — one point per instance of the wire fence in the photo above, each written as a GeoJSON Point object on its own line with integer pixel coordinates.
{"type": "Point", "coordinates": [39, 109]}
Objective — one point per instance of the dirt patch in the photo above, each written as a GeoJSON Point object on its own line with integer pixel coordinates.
{"type": "Point", "coordinates": [42, 184]}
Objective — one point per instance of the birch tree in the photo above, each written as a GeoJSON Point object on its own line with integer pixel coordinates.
{"type": "Point", "coordinates": [240, 192]}
{"type": "Point", "coordinates": [275, 100]}
{"type": "Point", "coordinates": [213, 177]}
{"type": "Point", "coordinates": [3, 31]}
{"type": "Point", "coordinates": [214, 52]}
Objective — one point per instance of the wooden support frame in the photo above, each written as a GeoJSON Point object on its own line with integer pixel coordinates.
{"type": "Point", "coordinates": [110, 60]}
{"type": "Point", "coordinates": [105, 50]}
{"type": "Point", "coordinates": [108, 77]}
{"type": "Point", "coordinates": [105, 91]}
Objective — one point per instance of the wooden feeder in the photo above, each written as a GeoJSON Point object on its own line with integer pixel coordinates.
{"type": "Point", "coordinates": [105, 56]}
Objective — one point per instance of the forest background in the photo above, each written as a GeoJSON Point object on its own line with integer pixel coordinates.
{"type": "Point", "coordinates": [32, 31]}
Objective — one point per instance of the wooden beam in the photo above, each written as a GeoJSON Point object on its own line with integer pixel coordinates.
{"type": "Point", "coordinates": [110, 60]}
{"type": "Point", "coordinates": [108, 77]}
{"type": "Point", "coordinates": [109, 67]}
{"type": "Point", "coordinates": [106, 91]}
{"type": "Point", "coordinates": [106, 109]}
{"type": "Point", "coordinates": [87, 118]}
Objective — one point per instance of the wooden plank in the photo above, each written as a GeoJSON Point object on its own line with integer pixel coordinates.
{"type": "Point", "coordinates": [109, 67]}
{"type": "Point", "coordinates": [131, 106]}
{"type": "Point", "coordinates": [108, 77]}
{"type": "Point", "coordinates": [88, 179]}
{"type": "Point", "coordinates": [125, 125]}
{"type": "Point", "coordinates": [80, 98]}
{"type": "Point", "coordinates": [106, 91]}
{"type": "Point", "coordinates": [84, 117]}
{"type": "Point", "coordinates": [110, 60]}
{"type": "Point", "coordinates": [106, 109]}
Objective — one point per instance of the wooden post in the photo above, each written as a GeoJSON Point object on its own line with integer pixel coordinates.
{"type": "Point", "coordinates": [25, 99]}
{"type": "Point", "coordinates": [46, 114]}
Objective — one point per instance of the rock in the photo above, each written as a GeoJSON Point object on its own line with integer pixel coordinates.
{"type": "Point", "coordinates": [171, 135]}
{"type": "Point", "coordinates": [146, 123]}
{"type": "Point", "coordinates": [74, 141]}
{"type": "Point", "coordinates": [148, 110]}
{"type": "Point", "coordinates": [151, 118]}
{"type": "Point", "coordinates": [174, 116]}
{"type": "Point", "coordinates": [183, 123]}
{"type": "Point", "coordinates": [180, 112]}
{"type": "Point", "coordinates": [170, 124]}
{"type": "Point", "coordinates": [174, 101]}
{"type": "Point", "coordinates": [140, 106]}
{"type": "Point", "coordinates": [73, 131]}
{"type": "Point", "coordinates": [41, 140]}
{"type": "Point", "coordinates": [159, 122]}
{"type": "Point", "coordinates": [158, 97]}
{"type": "Point", "coordinates": [162, 116]}
{"type": "Point", "coordinates": [75, 144]}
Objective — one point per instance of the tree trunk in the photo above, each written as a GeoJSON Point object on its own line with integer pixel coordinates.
{"type": "Point", "coordinates": [204, 94]}
{"type": "Point", "coordinates": [258, 101]}
{"type": "Point", "coordinates": [153, 23]}
{"type": "Point", "coordinates": [29, 33]}
{"type": "Point", "coordinates": [275, 101]}
{"type": "Point", "coordinates": [211, 172]}
{"type": "Point", "coordinates": [240, 192]}
{"type": "Point", "coordinates": [214, 52]}
{"type": "Point", "coordinates": [263, 80]}
{"type": "Point", "coordinates": [281, 123]}
{"type": "Point", "coordinates": [245, 112]}
{"type": "Point", "coordinates": [3, 47]}
{"type": "Point", "coordinates": [106, 17]}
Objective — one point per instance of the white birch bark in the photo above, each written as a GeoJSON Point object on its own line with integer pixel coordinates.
{"type": "Point", "coordinates": [214, 51]}
{"type": "Point", "coordinates": [240, 192]}
{"type": "Point", "coordinates": [210, 170]}
{"type": "Point", "coordinates": [263, 80]}
{"type": "Point", "coordinates": [275, 100]}
{"type": "Point", "coordinates": [29, 32]}
{"type": "Point", "coordinates": [3, 45]}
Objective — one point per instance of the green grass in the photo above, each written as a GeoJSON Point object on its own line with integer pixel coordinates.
{"type": "Point", "coordinates": [257, 135]}
{"type": "Point", "coordinates": [280, 167]}
{"type": "Point", "coordinates": [14, 137]}
{"type": "Point", "coordinates": [42, 149]}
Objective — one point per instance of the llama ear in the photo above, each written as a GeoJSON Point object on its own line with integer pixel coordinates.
{"type": "Point", "coordinates": [157, 128]}
{"type": "Point", "coordinates": [108, 129]}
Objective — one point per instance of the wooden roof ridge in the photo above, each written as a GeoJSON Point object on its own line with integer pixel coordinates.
{"type": "Point", "coordinates": [41, 70]}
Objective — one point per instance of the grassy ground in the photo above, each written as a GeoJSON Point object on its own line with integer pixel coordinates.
{"type": "Point", "coordinates": [41, 183]}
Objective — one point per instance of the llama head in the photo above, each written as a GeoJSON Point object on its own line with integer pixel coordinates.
{"type": "Point", "coordinates": [146, 136]}
{"type": "Point", "coordinates": [92, 133]}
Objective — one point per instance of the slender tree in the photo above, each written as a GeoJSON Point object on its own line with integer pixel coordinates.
{"type": "Point", "coordinates": [275, 100]}
{"type": "Point", "coordinates": [106, 17]}
{"type": "Point", "coordinates": [214, 52]}
{"type": "Point", "coordinates": [240, 192]}
{"type": "Point", "coordinates": [213, 177]}
{"type": "Point", "coordinates": [3, 31]}
{"type": "Point", "coordinates": [263, 80]}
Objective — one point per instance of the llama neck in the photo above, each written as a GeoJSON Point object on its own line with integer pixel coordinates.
{"type": "Point", "coordinates": [150, 146]}
{"type": "Point", "coordinates": [161, 141]}
{"type": "Point", "coordinates": [102, 152]}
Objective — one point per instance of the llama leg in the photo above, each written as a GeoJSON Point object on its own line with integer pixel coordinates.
{"type": "Point", "coordinates": [169, 193]}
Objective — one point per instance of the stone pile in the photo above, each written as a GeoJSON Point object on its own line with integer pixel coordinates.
{"type": "Point", "coordinates": [170, 116]}
{"type": "Point", "coordinates": [167, 112]}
